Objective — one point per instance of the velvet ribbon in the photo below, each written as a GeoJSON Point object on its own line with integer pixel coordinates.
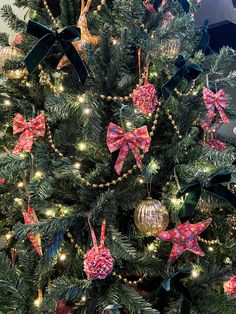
{"type": "Point", "coordinates": [174, 281]}
{"type": "Point", "coordinates": [187, 71]}
{"type": "Point", "coordinates": [47, 39]}
{"type": "Point", "coordinates": [205, 39]}
{"type": "Point", "coordinates": [185, 5]}
{"type": "Point", "coordinates": [213, 185]}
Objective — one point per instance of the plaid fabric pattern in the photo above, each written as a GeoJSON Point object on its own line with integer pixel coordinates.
{"type": "Point", "coordinates": [28, 130]}
{"type": "Point", "coordinates": [30, 218]}
{"type": "Point", "coordinates": [215, 102]}
{"type": "Point", "coordinates": [184, 237]}
{"type": "Point", "coordinates": [117, 138]}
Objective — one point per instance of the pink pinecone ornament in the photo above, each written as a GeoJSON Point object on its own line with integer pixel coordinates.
{"type": "Point", "coordinates": [98, 262]}
{"type": "Point", "coordinates": [145, 98]}
{"type": "Point", "coordinates": [230, 286]}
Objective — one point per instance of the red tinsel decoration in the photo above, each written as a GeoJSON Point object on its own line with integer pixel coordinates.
{"type": "Point", "coordinates": [145, 99]}
{"type": "Point", "coordinates": [230, 286]}
{"type": "Point", "coordinates": [98, 262]}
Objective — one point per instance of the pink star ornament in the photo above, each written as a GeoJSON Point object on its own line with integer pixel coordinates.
{"type": "Point", "coordinates": [184, 238]}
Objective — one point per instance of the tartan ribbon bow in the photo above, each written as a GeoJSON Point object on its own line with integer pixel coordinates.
{"type": "Point", "coordinates": [215, 102]}
{"type": "Point", "coordinates": [28, 130]}
{"type": "Point", "coordinates": [30, 218]}
{"type": "Point", "coordinates": [117, 138]}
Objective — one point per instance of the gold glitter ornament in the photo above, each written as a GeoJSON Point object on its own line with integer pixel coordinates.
{"type": "Point", "coordinates": [9, 53]}
{"type": "Point", "coordinates": [151, 216]}
{"type": "Point", "coordinates": [86, 40]}
{"type": "Point", "coordinates": [170, 48]}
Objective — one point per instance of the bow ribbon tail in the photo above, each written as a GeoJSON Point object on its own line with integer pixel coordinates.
{"type": "Point", "coordinates": [25, 142]}
{"type": "Point", "coordinates": [137, 155]}
{"type": "Point", "coordinates": [205, 39]}
{"type": "Point", "coordinates": [169, 86]}
{"type": "Point", "coordinates": [185, 5]}
{"type": "Point", "coordinates": [222, 114]}
{"type": "Point", "coordinates": [103, 230]}
{"type": "Point", "coordinates": [121, 158]}
{"type": "Point", "coordinates": [41, 48]}
{"type": "Point", "coordinates": [75, 60]}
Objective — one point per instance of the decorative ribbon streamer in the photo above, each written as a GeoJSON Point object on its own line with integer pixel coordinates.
{"type": "Point", "coordinates": [213, 185]}
{"type": "Point", "coordinates": [34, 127]}
{"type": "Point", "coordinates": [215, 102]}
{"type": "Point", "coordinates": [188, 71]}
{"type": "Point", "coordinates": [117, 138]}
{"type": "Point", "coordinates": [205, 39]}
{"type": "Point", "coordinates": [185, 5]}
{"type": "Point", "coordinates": [30, 218]}
{"type": "Point", "coordinates": [173, 281]}
{"type": "Point", "coordinates": [47, 39]}
{"type": "Point", "coordinates": [150, 6]}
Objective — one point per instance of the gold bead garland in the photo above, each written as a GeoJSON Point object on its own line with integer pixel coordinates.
{"type": "Point", "coordinates": [209, 242]}
{"type": "Point", "coordinates": [120, 178]}
{"type": "Point", "coordinates": [72, 240]}
{"type": "Point", "coordinates": [191, 89]}
{"type": "Point", "coordinates": [50, 14]}
{"type": "Point", "coordinates": [173, 123]}
{"type": "Point", "coordinates": [125, 280]}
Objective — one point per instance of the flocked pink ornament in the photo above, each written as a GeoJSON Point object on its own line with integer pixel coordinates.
{"type": "Point", "coordinates": [230, 286]}
{"type": "Point", "coordinates": [98, 262]}
{"type": "Point", "coordinates": [217, 144]}
{"type": "Point", "coordinates": [145, 98]}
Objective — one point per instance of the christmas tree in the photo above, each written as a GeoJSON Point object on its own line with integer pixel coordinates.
{"type": "Point", "coordinates": [117, 189]}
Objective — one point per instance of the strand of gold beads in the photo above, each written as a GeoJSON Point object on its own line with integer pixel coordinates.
{"type": "Point", "coordinates": [124, 98]}
{"type": "Point", "coordinates": [209, 242]}
{"type": "Point", "coordinates": [125, 280]}
{"type": "Point", "coordinates": [173, 123]}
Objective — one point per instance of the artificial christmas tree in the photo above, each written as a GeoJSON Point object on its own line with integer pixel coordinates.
{"type": "Point", "coordinates": [122, 120]}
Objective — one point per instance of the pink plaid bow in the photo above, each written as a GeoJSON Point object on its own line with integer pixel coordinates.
{"type": "Point", "coordinates": [34, 127]}
{"type": "Point", "coordinates": [30, 218]}
{"type": "Point", "coordinates": [215, 101]}
{"type": "Point", "coordinates": [117, 138]}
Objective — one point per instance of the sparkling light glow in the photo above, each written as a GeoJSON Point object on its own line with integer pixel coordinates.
{"type": "Point", "coordinates": [83, 299]}
{"type": "Point", "coordinates": [8, 236]}
{"type": "Point", "coordinates": [61, 88]}
{"type": "Point", "coordinates": [195, 273]}
{"type": "Point", "coordinates": [50, 213]}
{"type": "Point", "coordinates": [81, 99]}
{"type": "Point", "coordinates": [82, 146]}
{"type": "Point", "coordinates": [7, 102]}
{"type": "Point", "coordinates": [87, 111]}
{"type": "Point", "coordinates": [20, 184]}
{"type": "Point", "coordinates": [38, 174]}
{"type": "Point", "coordinates": [37, 303]}
{"type": "Point", "coordinates": [18, 200]}
{"type": "Point", "coordinates": [210, 249]}
{"type": "Point", "coordinates": [77, 165]}
{"type": "Point", "coordinates": [62, 257]}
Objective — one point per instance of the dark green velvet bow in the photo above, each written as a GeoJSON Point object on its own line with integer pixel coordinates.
{"type": "Point", "coordinates": [47, 39]}
{"type": "Point", "coordinates": [187, 71]}
{"type": "Point", "coordinates": [213, 185]}
{"type": "Point", "coordinates": [174, 281]}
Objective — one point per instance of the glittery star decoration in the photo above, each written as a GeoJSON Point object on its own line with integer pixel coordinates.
{"type": "Point", "coordinates": [184, 237]}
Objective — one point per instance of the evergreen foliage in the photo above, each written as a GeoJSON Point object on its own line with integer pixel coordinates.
{"type": "Point", "coordinates": [78, 118]}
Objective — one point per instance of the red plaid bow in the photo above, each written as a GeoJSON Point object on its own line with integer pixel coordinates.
{"type": "Point", "coordinates": [30, 218]}
{"type": "Point", "coordinates": [34, 127]}
{"type": "Point", "coordinates": [117, 138]}
{"type": "Point", "coordinates": [215, 101]}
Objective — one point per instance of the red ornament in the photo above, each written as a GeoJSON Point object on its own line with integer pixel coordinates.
{"type": "Point", "coordinates": [62, 308]}
{"type": "Point", "coordinates": [184, 238]}
{"type": "Point", "coordinates": [145, 99]}
{"type": "Point", "coordinates": [230, 286]}
{"type": "Point", "coordinates": [18, 39]}
{"type": "Point", "coordinates": [98, 262]}
{"type": "Point", "coordinates": [2, 180]}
